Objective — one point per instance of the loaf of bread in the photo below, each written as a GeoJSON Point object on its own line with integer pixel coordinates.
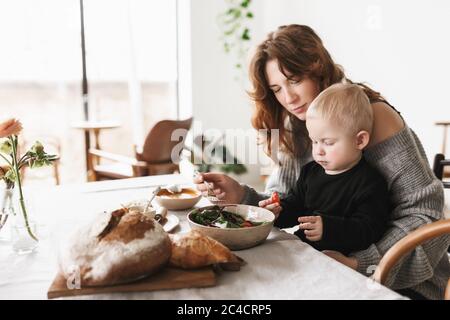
{"type": "Point", "coordinates": [194, 250]}
{"type": "Point", "coordinates": [117, 247]}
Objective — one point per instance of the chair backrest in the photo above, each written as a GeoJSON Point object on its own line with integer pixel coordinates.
{"type": "Point", "coordinates": [158, 145]}
{"type": "Point", "coordinates": [447, 291]}
{"type": "Point", "coordinates": [407, 244]}
{"type": "Point", "coordinates": [438, 168]}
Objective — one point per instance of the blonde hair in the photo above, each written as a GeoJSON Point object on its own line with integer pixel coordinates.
{"type": "Point", "coordinates": [347, 105]}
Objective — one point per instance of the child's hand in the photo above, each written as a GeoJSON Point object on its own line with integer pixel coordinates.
{"type": "Point", "coordinates": [10, 127]}
{"type": "Point", "coordinates": [313, 227]}
{"type": "Point", "coordinates": [272, 206]}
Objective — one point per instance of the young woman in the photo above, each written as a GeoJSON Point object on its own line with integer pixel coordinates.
{"type": "Point", "coordinates": [289, 69]}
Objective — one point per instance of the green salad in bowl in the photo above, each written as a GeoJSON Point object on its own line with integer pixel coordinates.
{"type": "Point", "coordinates": [218, 217]}
{"type": "Point", "coordinates": [236, 226]}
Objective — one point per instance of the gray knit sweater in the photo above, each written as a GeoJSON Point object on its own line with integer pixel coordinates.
{"type": "Point", "coordinates": [417, 197]}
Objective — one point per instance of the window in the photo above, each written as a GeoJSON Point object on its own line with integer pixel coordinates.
{"type": "Point", "coordinates": [131, 70]}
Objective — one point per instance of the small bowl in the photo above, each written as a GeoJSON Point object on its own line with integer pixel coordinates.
{"type": "Point", "coordinates": [239, 238]}
{"type": "Point", "coordinates": [186, 199]}
{"type": "Point", "coordinates": [141, 205]}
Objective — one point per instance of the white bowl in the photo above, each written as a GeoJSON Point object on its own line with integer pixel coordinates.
{"type": "Point", "coordinates": [142, 206]}
{"type": "Point", "coordinates": [239, 238]}
{"type": "Point", "coordinates": [182, 201]}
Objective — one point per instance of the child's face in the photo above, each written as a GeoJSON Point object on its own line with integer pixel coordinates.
{"type": "Point", "coordinates": [333, 148]}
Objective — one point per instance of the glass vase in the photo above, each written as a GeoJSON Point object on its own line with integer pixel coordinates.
{"type": "Point", "coordinates": [22, 242]}
{"type": "Point", "coordinates": [23, 229]}
{"type": "Point", "coordinates": [6, 195]}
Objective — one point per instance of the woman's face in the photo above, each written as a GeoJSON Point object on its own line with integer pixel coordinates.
{"type": "Point", "coordinates": [295, 95]}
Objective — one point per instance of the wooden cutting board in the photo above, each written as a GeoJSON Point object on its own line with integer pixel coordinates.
{"type": "Point", "coordinates": [168, 278]}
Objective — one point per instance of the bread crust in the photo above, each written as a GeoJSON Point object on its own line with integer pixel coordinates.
{"type": "Point", "coordinates": [195, 250]}
{"type": "Point", "coordinates": [118, 247]}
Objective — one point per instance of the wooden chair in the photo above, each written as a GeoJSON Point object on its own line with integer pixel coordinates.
{"type": "Point", "coordinates": [439, 165]}
{"type": "Point", "coordinates": [155, 157]}
{"type": "Point", "coordinates": [407, 244]}
{"type": "Point", "coordinates": [444, 124]}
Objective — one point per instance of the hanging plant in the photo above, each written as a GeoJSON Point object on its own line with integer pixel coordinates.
{"type": "Point", "coordinates": [235, 29]}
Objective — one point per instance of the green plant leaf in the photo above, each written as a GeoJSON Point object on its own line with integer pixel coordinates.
{"type": "Point", "coordinates": [235, 33]}
{"type": "Point", "coordinates": [37, 148]}
{"type": "Point", "coordinates": [10, 175]}
{"type": "Point", "coordinates": [6, 147]}
{"type": "Point", "coordinates": [230, 11]}
{"type": "Point", "coordinates": [245, 34]}
{"type": "Point", "coordinates": [232, 30]}
{"type": "Point", "coordinates": [245, 3]}
{"type": "Point", "coordinates": [236, 168]}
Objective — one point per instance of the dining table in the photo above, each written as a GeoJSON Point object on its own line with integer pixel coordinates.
{"type": "Point", "coordinates": [281, 268]}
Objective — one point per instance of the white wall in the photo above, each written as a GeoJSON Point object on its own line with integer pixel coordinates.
{"type": "Point", "coordinates": [399, 48]}
{"type": "Point", "coordinates": [219, 101]}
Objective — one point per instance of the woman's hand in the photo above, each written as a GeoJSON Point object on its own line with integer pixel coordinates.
{"type": "Point", "coordinates": [348, 261]}
{"type": "Point", "coordinates": [10, 127]}
{"type": "Point", "coordinates": [224, 187]}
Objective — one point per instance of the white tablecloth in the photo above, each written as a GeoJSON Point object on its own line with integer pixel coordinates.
{"type": "Point", "coordinates": [281, 268]}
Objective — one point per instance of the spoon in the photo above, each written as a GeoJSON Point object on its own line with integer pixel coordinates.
{"type": "Point", "coordinates": [161, 215]}
{"type": "Point", "coordinates": [154, 193]}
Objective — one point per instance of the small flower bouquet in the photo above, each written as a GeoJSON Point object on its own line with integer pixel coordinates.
{"type": "Point", "coordinates": [10, 173]}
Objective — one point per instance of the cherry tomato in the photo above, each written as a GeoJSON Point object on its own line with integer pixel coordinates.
{"type": "Point", "coordinates": [275, 198]}
{"type": "Point", "coordinates": [247, 224]}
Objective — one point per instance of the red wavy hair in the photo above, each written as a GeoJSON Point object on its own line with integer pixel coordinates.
{"type": "Point", "coordinates": [300, 52]}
